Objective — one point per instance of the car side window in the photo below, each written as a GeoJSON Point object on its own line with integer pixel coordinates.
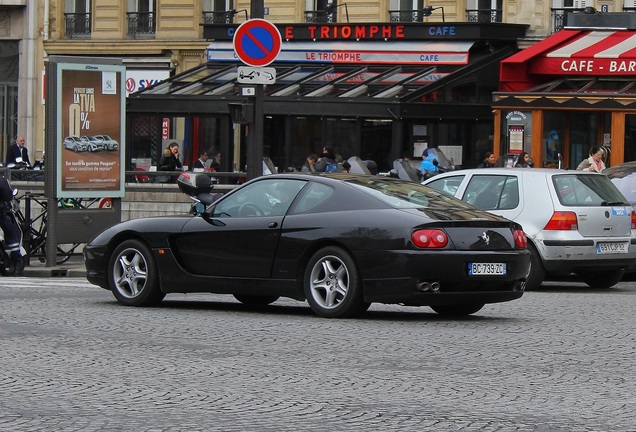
{"type": "Point", "coordinates": [271, 197]}
{"type": "Point", "coordinates": [312, 197]}
{"type": "Point", "coordinates": [490, 192]}
{"type": "Point", "coordinates": [510, 195]}
{"type": "Point", "coordinates": [447, 185]}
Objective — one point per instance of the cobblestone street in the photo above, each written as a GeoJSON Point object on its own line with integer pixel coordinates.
{"type": "Point", "coordinates": [558, 359]}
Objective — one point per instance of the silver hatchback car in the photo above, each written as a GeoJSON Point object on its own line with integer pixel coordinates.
{"type": "Point", "coordinates": [576, 222]}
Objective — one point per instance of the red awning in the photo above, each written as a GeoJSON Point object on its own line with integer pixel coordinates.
{"type": "Point", "coordinates": [603, 53]}
{"type": "Point", "coordinates": [514, 71]}
{"type": "Point", "coordinates": [570, 52]}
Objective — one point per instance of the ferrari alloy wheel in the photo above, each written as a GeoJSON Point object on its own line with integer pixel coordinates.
{"type": "Point", "coordinates": [332, 284]}
{"type": "Point", "coordinates": [132, 274]}
{"type": "Point", "coordinates": [457, 310]}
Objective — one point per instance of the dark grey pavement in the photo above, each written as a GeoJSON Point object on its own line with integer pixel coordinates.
{"type": "Point", "coordinates": [557, 360]}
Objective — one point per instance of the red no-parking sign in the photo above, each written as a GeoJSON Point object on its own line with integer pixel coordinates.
{"type": "Point", "coordinates": [257, 42]}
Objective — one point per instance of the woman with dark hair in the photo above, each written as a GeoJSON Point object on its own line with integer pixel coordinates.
{"type": "Point", "coordinates": [489, 161]}
{"type": "Point", "coordinates": [170, 162]}
{"type": "Point", "coordinates": [524, 161]}
{"type": "Point", "coordinates": [595, 162]}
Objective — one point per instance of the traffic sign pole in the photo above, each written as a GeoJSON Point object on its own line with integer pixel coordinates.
{"type": "Point", "coordinates": [255, 133]}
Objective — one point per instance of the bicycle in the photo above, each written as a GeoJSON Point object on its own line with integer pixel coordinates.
{"type": "Point", "coordinates": [35, 229]}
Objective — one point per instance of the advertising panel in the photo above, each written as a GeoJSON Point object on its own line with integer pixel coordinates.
{"type": "Point", "coordinates": [90, 135]}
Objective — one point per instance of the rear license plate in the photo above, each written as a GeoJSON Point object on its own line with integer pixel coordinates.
{"type": "Point", "coordinates": [481, 269]}
{"type": "Point", "coordinates": [612, 248]}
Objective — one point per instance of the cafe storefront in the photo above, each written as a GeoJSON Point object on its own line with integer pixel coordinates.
{"type": "Point", "coordinates": [569, 92]}
{"type": "Point", "coordinates": [377, 91]}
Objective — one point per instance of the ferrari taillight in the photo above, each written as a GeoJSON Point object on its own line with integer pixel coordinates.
{"type": "Point", "coordinates": [429, 238]}
{"type": "Point", "coordinates": [562, 221]}
{"type": "Point", "coordinates": [521, 241]}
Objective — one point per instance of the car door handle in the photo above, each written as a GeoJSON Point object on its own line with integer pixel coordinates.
{"type": "Point", "coordinates": [272, 225]}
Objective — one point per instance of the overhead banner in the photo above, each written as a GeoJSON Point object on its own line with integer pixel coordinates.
{"type": "Point", "coordinates": [420, 53]}
{"type": "Point", "coordinates": [90, 132]}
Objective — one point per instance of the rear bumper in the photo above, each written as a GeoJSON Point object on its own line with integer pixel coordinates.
{"type": "Point", "coordinates": [450, 271]}
{"type": "Point", "coordinates": [568, 256]}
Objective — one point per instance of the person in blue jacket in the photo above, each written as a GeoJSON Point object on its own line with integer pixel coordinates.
{"type": "Point", "coordinates": [429, 163]}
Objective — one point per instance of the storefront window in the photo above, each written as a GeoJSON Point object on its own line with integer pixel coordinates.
{"type": "Point", "coordinates": [586, 130]}
{"type": "Point", "coordinates": [630, 137]}
{"type": "Point", "coordinates": [553, 133]}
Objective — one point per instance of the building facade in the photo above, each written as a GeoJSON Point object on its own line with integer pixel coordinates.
{"type": "Point", "coordinates": [160, 38]}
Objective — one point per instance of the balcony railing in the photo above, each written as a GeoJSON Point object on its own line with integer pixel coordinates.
{"type": "Point", "coordinates": [222, 17]}
{"type": "Point", "coordinates": [484, 15]}
{"type": "Point", "coordinates": [560, 17]}
{"type": "Point", "coordinates": [78, 25]}
{"type": "Point", "coordinates": [321, 16]}
{"type": "Point", "coordinates": [141, 25]}
{"type": "Point", "coordinates": [406, 15]}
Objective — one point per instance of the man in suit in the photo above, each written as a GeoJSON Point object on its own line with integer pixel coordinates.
{"type": "Point", "coordinates": [202, 161]}
{"type": "Point", "coordinates": [18, 150]}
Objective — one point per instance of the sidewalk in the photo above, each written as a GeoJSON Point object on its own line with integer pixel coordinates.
{"type": "Point", "coordinates": [74, 268]}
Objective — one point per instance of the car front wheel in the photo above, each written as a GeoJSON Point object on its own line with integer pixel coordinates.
{"type": "Point", "coordinates": [332, 284]}
{"type": "Point", "coordinates": [132, 275]}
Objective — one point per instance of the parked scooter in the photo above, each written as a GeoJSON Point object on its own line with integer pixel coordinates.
{"type": "Point", "coordinates": [198, 186]}
{"type": "Point", "coordinates": [409, 169]}
{"type": "Point", "coordinates": [7, 267]}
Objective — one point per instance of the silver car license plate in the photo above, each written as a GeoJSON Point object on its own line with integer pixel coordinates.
{"type": "Point", "coordinates": [612, 247]}
{"type": "Point", "coordinates": [481, 269]}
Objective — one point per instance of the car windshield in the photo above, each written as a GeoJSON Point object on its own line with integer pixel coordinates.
{"type": "Point", "coordinates": [404, 194]}
{"type": "Point", "coordinates": [587, 190]}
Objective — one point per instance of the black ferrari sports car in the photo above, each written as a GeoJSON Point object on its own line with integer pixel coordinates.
{"type": "Point", "coordinates": [339, 241]}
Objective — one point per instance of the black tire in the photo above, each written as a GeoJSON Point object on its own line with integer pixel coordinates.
{"type": "Point", "coordinates": [133, 275]}
{"type": "Point", "coordinates": [602, 278]}
{"type": "Point", "coordinates": [255, 300]}
{"type": "Point", "coordinates": [536, 275]}
{"type": "Point", "coordinates": [457, 310]}
{"type": "Point", "coordinates": [332, 284]}
{"type": "Point", "coordinates": [6, 266]}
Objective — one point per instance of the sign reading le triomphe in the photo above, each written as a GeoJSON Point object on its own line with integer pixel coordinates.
{"type": "Point", "coordinates": [257, 43]}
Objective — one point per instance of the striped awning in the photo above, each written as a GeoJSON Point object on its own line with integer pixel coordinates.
{"type": "Point", "coordinates": [599, 53]}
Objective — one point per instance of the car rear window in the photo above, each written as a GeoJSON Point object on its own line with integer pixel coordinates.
{"type": "Point", "coordinates": [581, 190]}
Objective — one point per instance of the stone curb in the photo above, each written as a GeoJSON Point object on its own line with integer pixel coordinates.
{"type": "Point", "coordinates": [57, 271]}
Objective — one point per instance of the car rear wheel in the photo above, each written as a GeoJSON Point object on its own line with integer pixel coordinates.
{"type": "Point", "coordinates": [255, 300]}
{"type": "Point", "coordinates": [132, 275]}
{"type": "Point", "coordinates": [332, 284]}
{"type": "Point", "coordinates": [536, 274]}
{"type": "Point", "coordinates": [602, 279]}
{"type": "Point", "coordinates": [458, 310]}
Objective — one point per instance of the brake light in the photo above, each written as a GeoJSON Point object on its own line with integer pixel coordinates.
{"type": "Point", "coordinates": [521, 241]}
{"type": "Point", "coordinates": [563, 221]}
{"type": "Point", "coordinates": [429, 238]}
{"type": "Point", "coordinates": [633, 219]}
